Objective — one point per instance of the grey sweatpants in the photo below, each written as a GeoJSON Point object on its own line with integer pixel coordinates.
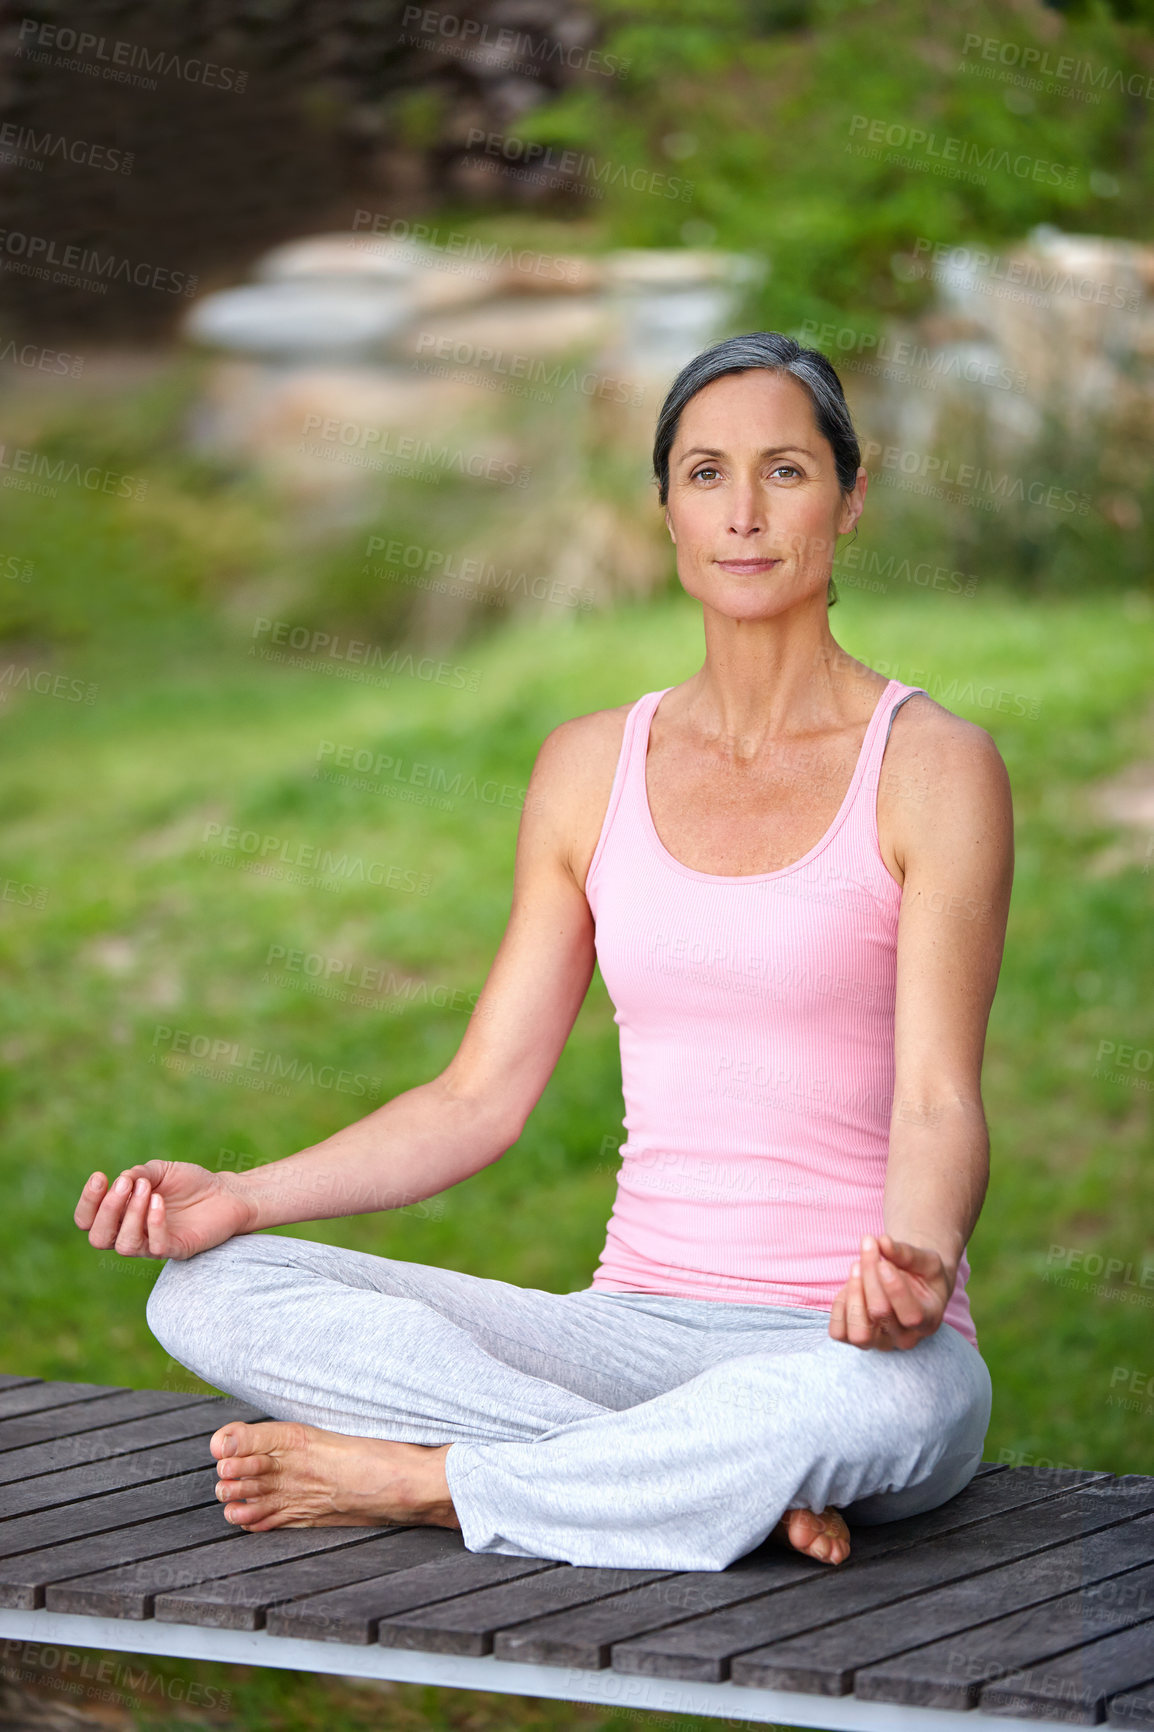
{"type": "Point", "coordinates": [595, 1428]}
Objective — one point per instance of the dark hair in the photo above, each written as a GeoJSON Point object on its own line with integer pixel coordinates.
{"type": "Point", "coordinates": [777, 354]}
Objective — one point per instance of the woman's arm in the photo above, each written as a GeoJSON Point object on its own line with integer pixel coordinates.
{"type": "Point", "coordinates": [955, 844]}
{"type": "Point", "coordinates": [432, 1136]}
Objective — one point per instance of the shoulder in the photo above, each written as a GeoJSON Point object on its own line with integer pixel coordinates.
{"type": "Point", "coordinates": [581, 749]}
{"type": "Point", "coordinates": [944, 782]}
{"type": "Point", "coordinates": [572, 780]}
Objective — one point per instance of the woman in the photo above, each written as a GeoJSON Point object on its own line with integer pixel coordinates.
{"type": "Point", "coordinates": [795, 874]}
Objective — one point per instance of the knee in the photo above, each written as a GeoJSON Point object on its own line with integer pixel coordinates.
{"type": "Point", "coordinates": [184, 1296]}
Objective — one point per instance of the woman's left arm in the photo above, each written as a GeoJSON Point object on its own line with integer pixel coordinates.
{"type": "Point", "coordinates": [949, 806]}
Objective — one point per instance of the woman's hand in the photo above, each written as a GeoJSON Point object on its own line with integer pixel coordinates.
{"type": "Point", "coordinates": [896, 1294]}
{"type": "Point", "coordinates": [162, 1209]}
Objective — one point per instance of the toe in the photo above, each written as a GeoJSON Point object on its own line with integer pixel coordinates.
{"type": "Point", "coordinates": [245, 1466]}
{"type": "Point", "coordinates": [230, 1439]}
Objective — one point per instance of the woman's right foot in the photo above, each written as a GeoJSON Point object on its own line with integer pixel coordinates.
{"type": "Point", "coordinates": [823, 1536]}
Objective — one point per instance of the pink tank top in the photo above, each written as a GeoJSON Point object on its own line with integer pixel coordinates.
{"type": "Point", "coordinates": [756, 1017]}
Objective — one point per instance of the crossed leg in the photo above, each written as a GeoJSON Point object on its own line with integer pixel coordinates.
{"type": "Point", "coordinates": [577, 1428]}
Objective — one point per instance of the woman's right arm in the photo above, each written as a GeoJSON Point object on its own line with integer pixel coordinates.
{"type": "Point", "coordinates": [432, 1136]}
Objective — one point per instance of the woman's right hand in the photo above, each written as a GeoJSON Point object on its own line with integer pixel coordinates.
{"type": "Point", "coordinates": [162, 1209]}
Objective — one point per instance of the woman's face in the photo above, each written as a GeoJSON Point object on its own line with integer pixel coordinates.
{"type": "Point", "coordinates": [755, 506]}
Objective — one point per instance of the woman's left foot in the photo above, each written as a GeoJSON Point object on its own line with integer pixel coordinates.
{"type": "Point", "coordinates": [281, 1473]}
{"type": "Point", "coordinates": [822, 1536]}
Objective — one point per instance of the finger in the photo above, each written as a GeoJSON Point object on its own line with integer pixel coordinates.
{"type": "Point", "coordinates": [918, 1258]}
{"type": "Point", "coordinates": [876, 1294]}
{"type": "Point", "coordinates": [90, 1198]}
{"type": "Point", "coordinates": [857, 1317]}
{"type": "Point", "coordinates": [156, 1223]}
{"type": "Point", "coordinates": [908, 1304]}
{"type": "Point", "coordinates": [837, 1317]}
{"type": "Point", "coordinates": [109, 1215]}
{"type": "Point", "coordinates": [132, 1238]}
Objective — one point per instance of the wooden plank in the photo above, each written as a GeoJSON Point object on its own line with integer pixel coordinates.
{"type": "Point", "coordinates": [31, 1398]}
{"type": "Point", "coordinates": [585, 1638]}
{"type": "Point", "coordinates": [129, 1590]}
{"type": "Point", "coordinates": [42, 1427]}
{"type": "Point", "coordinates": [24, 1578]}
{"type": "Point", "coordinates": [1076, 1686]}
{"type": "Point", "coordinates": [115, 1509]}
{"type": "Point", "coordinates": [12, 1380]}
{"type": "Point", "coordinates": [953, 1673]}
{"type": "Point", "coordinates": [701, 1648]}
{"type": "Point", "coordinates": [114, 1474]}
{"type": "Point", "coordinates": [354, 1614]}
{"type": "Point", "coordinates": [467, 1625]}
{"type": "Point", "coordinates": [1133, 1708]}
{"type": "Point", "coordinates": [824, 1661]}
{"type": "Point", "coordinates": [242, 1602]}
{"type": "Point", "coordinates": [56, 1454]}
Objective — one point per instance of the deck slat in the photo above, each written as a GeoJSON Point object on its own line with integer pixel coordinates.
{"type": "Point", "coordinates": [702, 1648]}
{"type": "Point", "coordinates": [467, 1625]}
{"type": "Point", "coordinates": [24, 1578]}
{"type": "Point", "coordinates": [585, 1638]}
{"type": "Point", "coordinates": [43, 1427]}
{"type": "Point", "coordinates": [824, 1662]}
{"type": "Point", "coordinates": [58, 1454]}
{"type": "Point", "coordinates": [12, 1380]}
{"type": "Point", "coordinates": [242, 1602]}
{"type": "Point", "coordinates": [952, 1673]}
{"type": "Point", "coordinates": [69, 1485]}
{"type": "Point", "coordinates": [1133, 1708]}
{"type": "Point", "coordinates": [1079, 1682]}
{"type": "Point", "coordinates": [129, 1590]}
{"type": "Point", "coordinates": [32, 1397]}
{"type": "Point", "coordinates": [116, 1509]}
{"type": "Point", "coordinates": [354, 1614]}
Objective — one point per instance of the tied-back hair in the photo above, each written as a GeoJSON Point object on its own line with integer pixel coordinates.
{"type": "Point", "coordinates": [776, 354]}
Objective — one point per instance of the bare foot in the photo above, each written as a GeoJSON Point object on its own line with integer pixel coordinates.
{"type": "Point", "coordinates": [282, 1474]}
{"type": "Point", "coordinates": [824, 1537]}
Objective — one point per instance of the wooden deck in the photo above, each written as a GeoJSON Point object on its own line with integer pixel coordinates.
{"type": "Point", "coordinates": [1027, 1600]}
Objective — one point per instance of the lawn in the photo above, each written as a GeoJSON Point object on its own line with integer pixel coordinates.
{"type": "Point", "coordinates": [134, 939]}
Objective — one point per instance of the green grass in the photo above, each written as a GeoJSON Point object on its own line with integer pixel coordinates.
{"type": "Point", "coordinates": [129, 931]}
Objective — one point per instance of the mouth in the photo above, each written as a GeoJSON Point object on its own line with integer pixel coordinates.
{"type": "Point", "coordinates": [742, 565]}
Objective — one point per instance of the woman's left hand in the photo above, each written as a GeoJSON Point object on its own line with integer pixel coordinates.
{"type": "Point", "coordinates": [896, 1294]}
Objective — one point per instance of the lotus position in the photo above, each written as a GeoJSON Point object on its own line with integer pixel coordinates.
{"type": "Point", "coordinates": [795, 875]}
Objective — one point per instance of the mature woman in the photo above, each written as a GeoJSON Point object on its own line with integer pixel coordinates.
{"type": "Point", "coordinates": [795, 874]}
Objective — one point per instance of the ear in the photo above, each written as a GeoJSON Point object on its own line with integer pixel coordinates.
{"type": "Point", "coordinates": [669, 526]}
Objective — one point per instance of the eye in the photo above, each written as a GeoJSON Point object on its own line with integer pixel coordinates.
{"type": "Point", "coordinates": [791, 467]}
{"type": "Point", "coordinates": [706, 469]}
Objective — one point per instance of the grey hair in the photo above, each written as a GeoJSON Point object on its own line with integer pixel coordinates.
{"type": "Point", "coordinates": [777, 354]}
